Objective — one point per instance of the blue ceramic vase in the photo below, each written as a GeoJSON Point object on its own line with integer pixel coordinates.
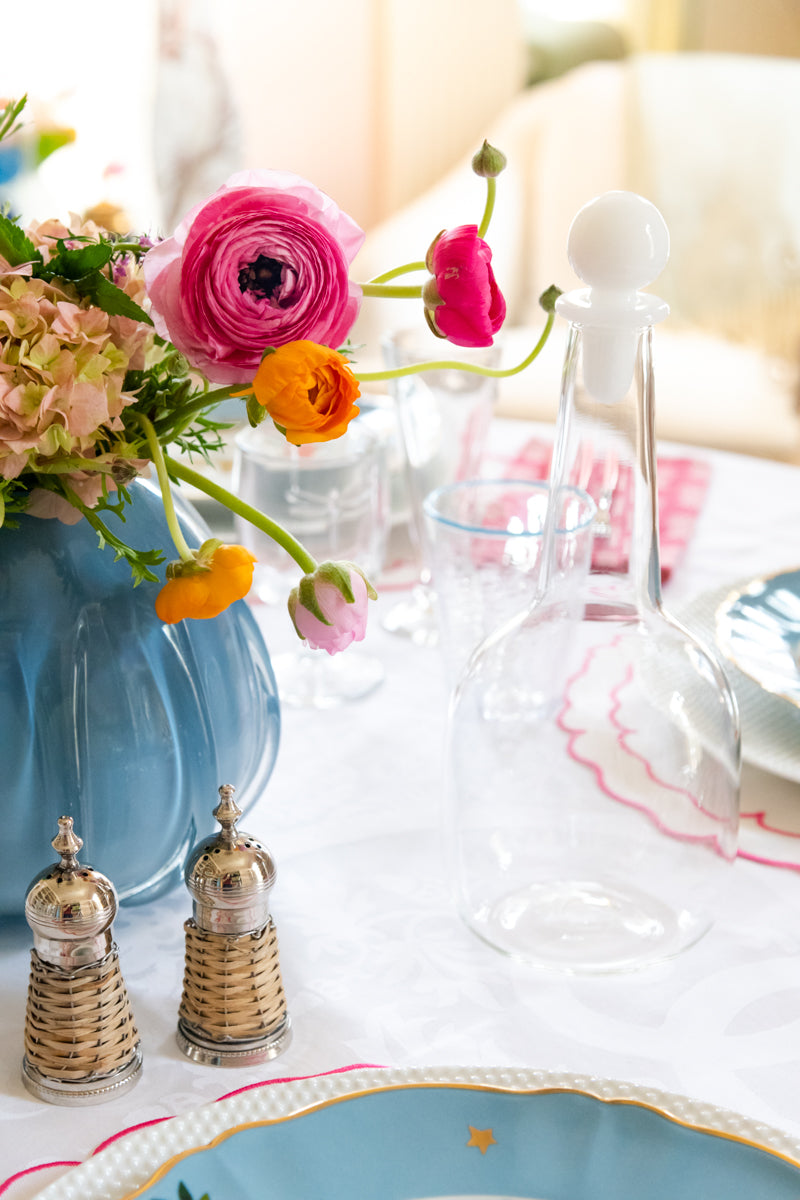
{"type": "Point", "coordinates": [109, 716]}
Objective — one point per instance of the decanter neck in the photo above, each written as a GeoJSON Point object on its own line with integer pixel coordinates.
{"type": "Point", "coordinates": [606, 447]}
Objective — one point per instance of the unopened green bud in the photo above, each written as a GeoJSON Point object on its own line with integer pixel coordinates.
{"type": "Point", "coordinates": [123, 472]}
{"type": "Point", "coordinates": [179, 366]}
{"type": "Point", "coordinates": [489, 162]}
{"type": "Point", "coordinates": [548, 298]}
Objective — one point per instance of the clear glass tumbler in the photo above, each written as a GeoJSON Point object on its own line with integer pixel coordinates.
{"type": "Point", "coordinates": [443, 416]}
{"type": "Point", "coordinates": [485, 541]}
{"type": "Point", "coordinates": [334, 498]}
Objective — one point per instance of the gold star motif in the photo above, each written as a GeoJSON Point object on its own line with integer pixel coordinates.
{"type": "Point", "coordinates": [482, 1138]}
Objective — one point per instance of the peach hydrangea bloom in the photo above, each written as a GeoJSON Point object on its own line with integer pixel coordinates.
{"type": "Point", "coordinates": [62, 365]}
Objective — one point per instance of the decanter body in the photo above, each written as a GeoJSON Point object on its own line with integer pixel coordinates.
{"type": "Point", "coordinates": [593, 745]}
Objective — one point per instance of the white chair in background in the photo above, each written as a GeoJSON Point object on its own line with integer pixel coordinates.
{"type": "Point", "coordinates": [713, 140]}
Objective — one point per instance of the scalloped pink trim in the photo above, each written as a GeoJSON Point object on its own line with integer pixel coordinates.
{"type": "Point", "coordinates": [15, 1178]}
{"type": "Point", "coordinates": [759, 816]}
{"type": "Point", "coordinates": [158, 1120]}
{"type": "Point", "coordinates": [248, 1087]}
{"type": "Point", "coordinates": [622, 734]}
{"type": "Point", "coordinates": [124, 1132]}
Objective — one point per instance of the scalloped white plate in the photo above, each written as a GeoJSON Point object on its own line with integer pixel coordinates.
{"type": "Point", "coordinates": [770, 724]}
{"type": "Point", "coordinates": [758, 628]}
{"type": "Point", "coordinates": [424, 1133]}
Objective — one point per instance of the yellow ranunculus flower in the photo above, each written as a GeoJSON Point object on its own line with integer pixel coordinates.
{"type": "Point", "coordinates": [308, 390]}
{"type": "Point", "coordinates": [206, 591]}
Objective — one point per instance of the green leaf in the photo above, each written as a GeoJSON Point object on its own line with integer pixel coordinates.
{"type": "Point", "coordinates": [110, 298]}
{"type": "Point", "coordinates": [15, 246]}
{"type": "Point", "coordinates": [184, 1192]}
{"type": "Point", "coordinates": [74, 264]}
{"type": "Point", "coordinates": [9, 115]}
{"type": "Point", "coordinates": [140, 562]}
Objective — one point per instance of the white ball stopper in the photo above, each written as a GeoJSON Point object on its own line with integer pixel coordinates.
{"type": "Point", "coordinates": [618, 243]}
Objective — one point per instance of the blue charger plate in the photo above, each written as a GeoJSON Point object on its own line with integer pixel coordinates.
{"type": "Point", "coordinates": [758, 629]}
{"type": "Point", "coordinates": [420, 1134]}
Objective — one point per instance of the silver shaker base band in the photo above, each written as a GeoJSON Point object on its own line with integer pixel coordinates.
{"type": "Point", "coordinates": [233, 1053]}
{"type": "Point", "coordinates": [76, 1092]}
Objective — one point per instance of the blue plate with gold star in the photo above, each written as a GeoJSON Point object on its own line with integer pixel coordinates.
{"type": "Point", "coordinates": [444, 1134]}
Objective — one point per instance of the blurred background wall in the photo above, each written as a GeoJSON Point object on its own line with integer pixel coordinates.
{"type": "Point", "coordinates": [371, 99]}
{"type": "Point", "coordinates": [382, 102]}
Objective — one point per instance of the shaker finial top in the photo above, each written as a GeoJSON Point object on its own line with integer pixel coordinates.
{"type": "Point", "coordinates": [70, 906]}
{"type": "Point", "coordinates": [230, 874]}
{"type": "Point", "coordinates": [227, 812]}
{"type": "Point", "coordinates": [67, 844]}
{"type": "Point", "coordinates": [618, 242]}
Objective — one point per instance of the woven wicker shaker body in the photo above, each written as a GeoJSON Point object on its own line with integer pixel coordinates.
{"type": "Point", "coordinates": [79, 1026]}
{"type": "Point", "coordinates": [81, 1043]}
{"type": "Point", "coordinates": [232, 987]}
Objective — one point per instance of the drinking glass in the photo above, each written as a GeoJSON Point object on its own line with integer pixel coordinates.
{"type": "Point", "coordinates": [485, 539]}
{"type": "Point", "coordinates": [333, 497]}
{"type": "Point", "coordinates": [443, 417]}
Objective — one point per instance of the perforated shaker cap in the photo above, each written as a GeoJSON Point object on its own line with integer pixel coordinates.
{"type": "Point", "coordinates": [230, 875]}
{"type": "Point", "coordinates": [70, 907]}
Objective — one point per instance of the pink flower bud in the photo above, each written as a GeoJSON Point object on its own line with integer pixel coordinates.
{"type": "Point", "coordinates": [469, 308]}
{"type": "Point", "coordinates": [329, 606]}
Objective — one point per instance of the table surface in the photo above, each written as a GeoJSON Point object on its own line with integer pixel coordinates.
{"type": "Point", "coordinates": [377, 967]}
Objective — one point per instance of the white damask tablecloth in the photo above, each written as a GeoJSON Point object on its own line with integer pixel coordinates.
{"type": "Point", "coordinates": [378, 969]}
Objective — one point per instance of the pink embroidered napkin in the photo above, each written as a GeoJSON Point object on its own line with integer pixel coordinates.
{"type": "Point", "coordinates": [682, 486]}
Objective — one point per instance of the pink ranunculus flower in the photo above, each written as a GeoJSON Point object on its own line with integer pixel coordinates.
{"type": "Point", "coordinates": [329, 606]}
{"type": "Point", "coordinates": [262, 262]}
{"type": "Point", "coordinates": [463, 302]}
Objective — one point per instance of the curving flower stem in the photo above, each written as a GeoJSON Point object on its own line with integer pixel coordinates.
{"type": "Point", "coordinates": [157, 455]}
{"type": "Point", "coordinates": [491, 192]}
{"type": "Point", "coordinates": [63, 466]}
{"type": "Point", "coordinates": [393, 291]}
{"type": "Point", "coordinates": [171, 429]}
{"type": "Point", "coordinates": [406, 269]}
{"type": "Point", "coordinates": [278, 534]}
{"type": "Point", "coordinates": [452, 365]}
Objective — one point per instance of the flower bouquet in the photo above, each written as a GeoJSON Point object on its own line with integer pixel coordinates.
{"type": "Point", "coordinates": [116, 350]}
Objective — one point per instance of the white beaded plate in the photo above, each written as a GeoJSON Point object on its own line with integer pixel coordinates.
{"type": "Point", "coordinates": [125, 1166]}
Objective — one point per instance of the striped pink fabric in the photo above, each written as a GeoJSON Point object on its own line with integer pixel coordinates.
{"type": "Point", "coordinates": [682, 487]}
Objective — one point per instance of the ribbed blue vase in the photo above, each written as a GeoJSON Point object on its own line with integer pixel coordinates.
{"type": "Point", "coordinates": [113, 718]}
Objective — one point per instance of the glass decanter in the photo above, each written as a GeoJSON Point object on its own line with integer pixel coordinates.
{"type": "Point", "coordinates": [593, 754]}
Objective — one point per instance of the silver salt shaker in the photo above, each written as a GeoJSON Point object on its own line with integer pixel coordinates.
{"type": "Point", "coordinates": [233, 1009]}
{"type": "Point", "coordinates": [81, 1043]}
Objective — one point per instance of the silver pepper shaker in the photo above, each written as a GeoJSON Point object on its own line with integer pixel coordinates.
{"type": "Point", "coordinates": [233, 1009]}
{"type": "Point", "coordinates": [81, 1043]}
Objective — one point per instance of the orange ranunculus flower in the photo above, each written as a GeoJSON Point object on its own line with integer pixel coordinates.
{"type": "Point", "coordinates": [308, 390]}
{"type": "Point", "coordinates": [209, 586]}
